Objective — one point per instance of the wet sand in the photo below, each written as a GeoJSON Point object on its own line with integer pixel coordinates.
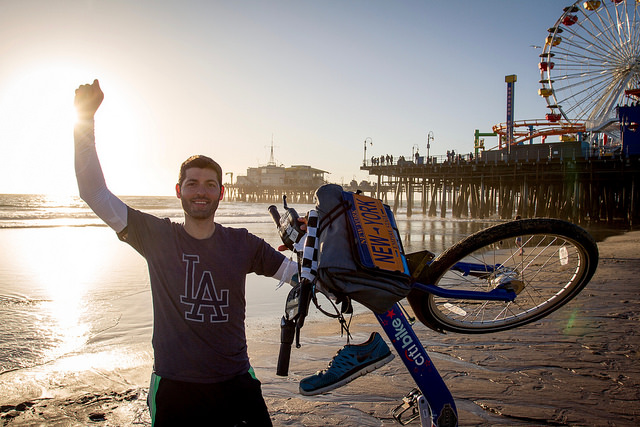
{"type": "Point", "coordinates": [579, 366]}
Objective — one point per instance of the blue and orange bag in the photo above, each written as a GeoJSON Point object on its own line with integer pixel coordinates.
{"type": "Point", "coordinates": [360, 253]}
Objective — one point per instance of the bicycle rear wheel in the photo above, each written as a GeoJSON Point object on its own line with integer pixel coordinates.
{"type": "Point", "coordinates": [557, 260]}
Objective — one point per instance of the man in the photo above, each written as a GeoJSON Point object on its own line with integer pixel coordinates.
{"type": "Point", "coordinates": [197, 270]}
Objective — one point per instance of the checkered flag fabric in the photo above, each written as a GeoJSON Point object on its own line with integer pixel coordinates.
{"type": "Point", "coordinates": [309, 268]}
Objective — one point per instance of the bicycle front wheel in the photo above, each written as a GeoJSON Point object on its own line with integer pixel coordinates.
{"type": "Point", "coordinates": [546, 262]}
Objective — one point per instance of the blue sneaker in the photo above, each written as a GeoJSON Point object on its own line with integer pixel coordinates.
{"type": "Point", "coordinates": [350, 362]}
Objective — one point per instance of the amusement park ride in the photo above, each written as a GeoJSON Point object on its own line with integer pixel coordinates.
{"type": "Point", "coordinates": [589, 67]}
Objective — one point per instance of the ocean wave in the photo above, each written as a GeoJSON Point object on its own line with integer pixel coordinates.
{"type": "Point", "coordinates": [38, 211]}
{"type": "Point", "coordinates": [18, 300]}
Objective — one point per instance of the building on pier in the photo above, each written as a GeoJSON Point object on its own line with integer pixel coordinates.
{"type": "Point", "coordinates": [268, 184]}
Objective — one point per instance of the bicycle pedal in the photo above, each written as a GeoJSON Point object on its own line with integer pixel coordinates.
{"type": "Point", "coordinates": [416, 403]}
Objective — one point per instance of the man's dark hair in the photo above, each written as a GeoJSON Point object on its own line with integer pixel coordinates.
{"type": "Point", "coordinates": [202, 162]}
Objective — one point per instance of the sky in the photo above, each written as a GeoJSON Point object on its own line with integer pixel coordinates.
{"type": "Point", "coordinates": [227, 78]}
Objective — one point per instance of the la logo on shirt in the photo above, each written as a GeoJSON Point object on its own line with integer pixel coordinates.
{"type": "Point", "coordinates": [202, 300]}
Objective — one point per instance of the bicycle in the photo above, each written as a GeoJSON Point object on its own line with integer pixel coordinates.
{"type": "Point", "coordinates": [499, 278]}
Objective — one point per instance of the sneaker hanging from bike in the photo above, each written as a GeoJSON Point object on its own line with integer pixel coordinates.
{"type": "Point", "coordinates": [349, 363]}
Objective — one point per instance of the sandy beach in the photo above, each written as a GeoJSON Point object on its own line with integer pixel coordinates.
{"type": "Point", "coordinates": [578, 366]}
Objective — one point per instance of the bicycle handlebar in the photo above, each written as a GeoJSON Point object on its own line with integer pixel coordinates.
{"type": "Point", "coordinates": [288, 224]}
{"type": "Point", "coordinates": [290, 324]}
{"type": "Point", "coordinates": [273, 210]}
{"type": "Point", "coordinates": [287, 332]}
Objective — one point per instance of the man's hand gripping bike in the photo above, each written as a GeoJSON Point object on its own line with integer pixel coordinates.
{"type": "Point", "coordinates": [499, 278]}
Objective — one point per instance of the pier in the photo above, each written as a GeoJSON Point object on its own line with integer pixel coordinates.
{"type": "Point", "coordinates": [551, 180]}
{"type": "Point", "coordinates": [563, 184]}
{"type": "Point", "coordinates": [301, 194]}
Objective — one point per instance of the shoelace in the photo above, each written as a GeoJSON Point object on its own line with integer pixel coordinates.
{"type": "Point", "coordinates": [340, 361]}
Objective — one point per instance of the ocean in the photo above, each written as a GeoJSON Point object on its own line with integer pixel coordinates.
{"type": "Point", "coordinates": [75, 304]}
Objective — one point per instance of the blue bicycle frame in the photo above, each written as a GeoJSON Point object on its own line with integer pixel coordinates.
{"type": "Point", "coordinates": [415, 357]}
{"type": "Point", "coordinates": [442, 407]}
{"type": "Point", "coordinates": [466, 268]}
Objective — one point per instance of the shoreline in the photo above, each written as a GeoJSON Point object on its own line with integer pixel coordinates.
{"type": "Point", "coordinates": [578, 366]}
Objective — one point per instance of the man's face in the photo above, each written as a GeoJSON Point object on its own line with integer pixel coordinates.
{"type": "Point", "coordinates": [200, 193]}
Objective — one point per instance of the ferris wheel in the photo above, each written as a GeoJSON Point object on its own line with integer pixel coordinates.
{"type": "Point", "coordinates": [591, 62]}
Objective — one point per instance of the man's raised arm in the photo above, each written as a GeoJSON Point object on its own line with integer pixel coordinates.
{"type": "Point", "coordinates": [91, 184]}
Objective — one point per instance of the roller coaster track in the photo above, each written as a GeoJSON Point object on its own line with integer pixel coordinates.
{"type": "Point", "coordinates": [525, 130]}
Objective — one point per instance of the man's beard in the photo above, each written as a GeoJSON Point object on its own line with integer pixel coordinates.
{"type": "Point", "coordinates": [200, 212]}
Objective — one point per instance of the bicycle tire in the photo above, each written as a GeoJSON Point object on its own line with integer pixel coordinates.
{"type": "Point", "coordinates": [558, 260]}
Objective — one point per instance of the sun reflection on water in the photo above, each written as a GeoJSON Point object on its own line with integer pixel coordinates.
{"type": "Point", "coordinates": [68, 275]}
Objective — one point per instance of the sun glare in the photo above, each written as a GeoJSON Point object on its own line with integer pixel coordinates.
{"type": "Point", "coordinates": [39, 103]}
{"type": "Point", "coordinates": [38, 116]}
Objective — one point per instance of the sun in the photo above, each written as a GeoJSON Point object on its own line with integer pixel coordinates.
{"type": "Point", "coordinates": [36, 126]}
{"type": "Point", "coordinates": [37, 113]}
{"type": "Point", "coordinates": [39, 101]}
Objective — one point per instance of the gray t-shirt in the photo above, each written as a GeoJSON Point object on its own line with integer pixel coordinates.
{"type": "Point", "coordinates": [198, 291]}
